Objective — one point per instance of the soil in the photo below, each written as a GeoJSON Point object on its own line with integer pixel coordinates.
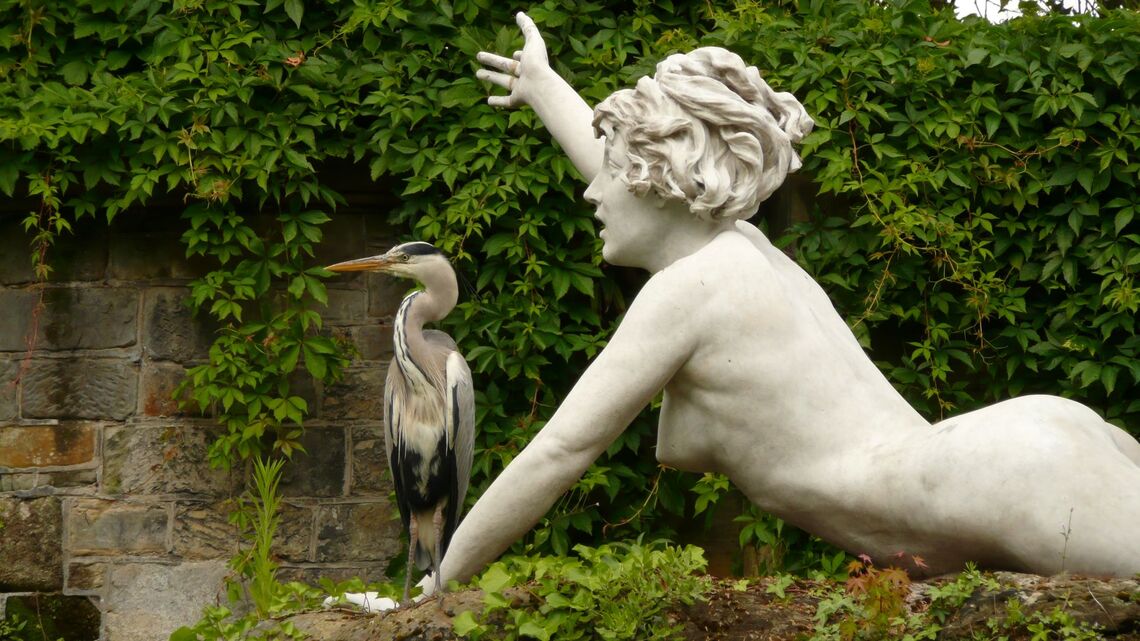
{"type": "Point", "coordinates": [734, 612]}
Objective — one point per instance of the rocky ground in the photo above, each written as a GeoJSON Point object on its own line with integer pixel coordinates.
{"type": "Point", "coordinates": [755, 613]}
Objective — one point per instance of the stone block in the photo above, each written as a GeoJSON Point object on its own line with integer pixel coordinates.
{"type": "Point", "coordinates": [81, 256]}
{"type": "Point", "coordinates": [97, 527]}
{"type": "Point", "coordinates": [48, 445]}
{"type": "Point", "coordinates": [379, 236]}
{"type": "Point", "coordinates": [343, 239]}
{"type": "Point", "coordinates": [15, 254]}
{"type": "Point", "coordinates": [144, 602]}
{"type": "Point", "coordinates": [147, 255]}
{"type": "Point", "coordinates": [54, 616]}
{"type": "Point", "coordinates": [202, 530]}
{"type": "Point", "coordinates": [373, 342]}
{"type": "Point", "coordinates": [358, 532]}
{"type": "Point", "coordinates": [91, 388]}
{"type": "Point", "coordinates": [88, 318]}
{"type": "Point", "coordinates": [9, 408]}
{"type": "Point", "coordinates": [339, 573]}
{"type": "Point", "coordinates": [170, 330]}
{"type": "Point", "coordinates": [158, 382]}
{"type": "Point", "coordinates": [171, 459]}
{"type": "Point", "coordinates": [319, 472]}
{"type": "Point", "coordinates": [19, 307]}
{"type": "Point", "coordinates": [85, 577]}
{"type": "Point", "coordinates": [385, 293]}
{"type": "Point", "coordinates": [301, 384]}
{"type": "Point", "coordinates": [346, 305]}
{"type": "Point", "coordinates": [31, 556]}
{"type": "Point", "coordinates": [370, 475]}
{"type": "Point", "coordinates": [294, 538]}
{"type": "Point", "coordinates": [57, 480]}
{"type": "Point", "coordinates": [359, 395]}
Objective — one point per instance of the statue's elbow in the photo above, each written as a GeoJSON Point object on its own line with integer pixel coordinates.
{"type": "Point", "coordinates": [570, 456]}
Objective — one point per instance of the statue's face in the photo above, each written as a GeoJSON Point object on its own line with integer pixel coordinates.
{"type": "Point", "coordinates": [630, 222]}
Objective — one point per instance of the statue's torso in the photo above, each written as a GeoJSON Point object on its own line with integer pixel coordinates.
{"type": "Point", "coordinates": [778, 396]}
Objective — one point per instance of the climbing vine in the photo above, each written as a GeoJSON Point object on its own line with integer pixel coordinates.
{"type": "Point", "coordinates": [972, 205]}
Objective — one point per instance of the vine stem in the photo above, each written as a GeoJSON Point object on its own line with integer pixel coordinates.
{"type": "Point", "coordinates": [645, 504]}
{"type": "Point", "coordinates": [42, 242]}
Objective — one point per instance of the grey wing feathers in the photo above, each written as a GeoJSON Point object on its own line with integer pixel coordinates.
{"type": "Point", "coordinates": [393, 435]}
{"type": "Point", "coordinates": [461, 411]}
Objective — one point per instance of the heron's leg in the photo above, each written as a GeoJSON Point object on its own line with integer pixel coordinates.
{"type": "Point", "coordinates": [437, 560]}
{"type": "Point", "coordinates": [413, 540]}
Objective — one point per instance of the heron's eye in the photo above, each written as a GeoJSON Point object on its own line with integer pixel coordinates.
{"type": "Point", "coordinates": [404, 257]}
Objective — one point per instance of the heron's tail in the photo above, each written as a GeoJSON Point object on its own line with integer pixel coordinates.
{"type": "Point", "coordinates": [425, 547]}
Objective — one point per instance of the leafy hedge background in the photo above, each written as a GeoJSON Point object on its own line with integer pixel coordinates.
{"type": "Point", "coordinates": [973, 212]}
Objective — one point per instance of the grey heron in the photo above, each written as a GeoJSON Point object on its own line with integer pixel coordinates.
{"type": "Point", "coordinates": [429, 405]}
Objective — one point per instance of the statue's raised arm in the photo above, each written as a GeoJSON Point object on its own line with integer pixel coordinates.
{"type": "Point", "coordinates": [529, 80]}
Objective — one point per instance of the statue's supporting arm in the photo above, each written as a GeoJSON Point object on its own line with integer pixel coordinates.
{"type": "Point", "coordinates": [531, 81]}
{"type": "Point", "coordinates": [653, 341]}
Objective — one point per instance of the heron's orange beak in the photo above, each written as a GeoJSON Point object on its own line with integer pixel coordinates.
{"type": "Point", "coordinates": [370, 264]}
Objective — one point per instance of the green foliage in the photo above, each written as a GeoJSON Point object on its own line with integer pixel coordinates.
{"type": "Point", "coordinates": [257, 518]}
{"type": "Point", "coordinates": [789, 549]}
{"type": "Point", "coordinates": [616, 591]}
{"type": "Point", "coordinates": [872, 604]}
{"type": "Point", "coordinates": [12, 628]}
{"type": "Point", "coordinates": [28, 624]}
{"type": "Point", "coordinates": [115, 105]}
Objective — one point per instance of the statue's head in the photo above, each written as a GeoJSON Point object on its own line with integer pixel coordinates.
{"type": "Point", "coordinates": [707, 130]}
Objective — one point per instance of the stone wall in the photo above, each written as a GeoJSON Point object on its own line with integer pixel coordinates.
{"type": "Point", "coordinates": [110, 515]}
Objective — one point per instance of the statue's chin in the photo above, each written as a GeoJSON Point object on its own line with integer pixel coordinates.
{"type": "Point", "coordinates": [614, 257]}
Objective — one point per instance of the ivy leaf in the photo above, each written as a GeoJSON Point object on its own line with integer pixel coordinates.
{"type": "Point", "coordinates": [494, 579]}
{"type": "Point", "coordinates": [975, 56]}
{"type": "Point", "coordinates": [75, 72]}
{"type": "Point", "coordinates": [295, 9]}
{"type": "Point", "coordinates": [9, 172]}
{"type": "Point", "coordinates": [532, 629]}
{"type": "Point", "coordinates": [1123, 217]}
{"type": "Point", "coordinates": [315, 363]}
{"type": "Point", "coordinates": [186, 634]}
{"type": "Point", "coordinates": [463, 624]}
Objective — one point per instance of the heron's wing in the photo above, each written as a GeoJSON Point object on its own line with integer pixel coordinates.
{"type": "Point", "coordinates": [460, 423]}
{"type": "Point", "coordinates": [394, 446]}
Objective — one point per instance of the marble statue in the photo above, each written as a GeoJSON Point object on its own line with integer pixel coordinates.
{"type": "Point", "coordinates": [763, 380]}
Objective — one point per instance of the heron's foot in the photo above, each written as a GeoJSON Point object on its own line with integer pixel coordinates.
{"type": "Point", "coordinates": [421, 599]}
{"type": "Point", "coordinates": [366, 601]}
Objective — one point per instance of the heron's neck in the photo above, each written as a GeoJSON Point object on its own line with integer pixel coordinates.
{"type": "Point", "coordinates": [430, 305]}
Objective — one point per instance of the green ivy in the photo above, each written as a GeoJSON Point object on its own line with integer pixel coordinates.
{"type": "Point", "coordinates": [612, 592]}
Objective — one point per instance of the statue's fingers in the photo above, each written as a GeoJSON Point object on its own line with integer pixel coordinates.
{"type": "Point", "coordinates": [500, 101]}
{"type": "Point", "coordinates": [529, 29]}
{"type": "Point", "coordinates": [517, 56]}
{"type": "Point", "coordinates": [504, 80]}
{"type": "Point", "coordinates": [502, 63]}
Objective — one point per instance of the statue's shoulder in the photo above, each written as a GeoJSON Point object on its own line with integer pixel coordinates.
{"type": "Point", "coordinates": [718, 267]}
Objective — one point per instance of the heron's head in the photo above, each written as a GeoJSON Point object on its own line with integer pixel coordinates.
{"type": "Point", "coordinates": [411, 260]}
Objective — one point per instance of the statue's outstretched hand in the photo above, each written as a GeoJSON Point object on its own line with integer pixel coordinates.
{"type": "Point", "coordinates": [523, 74]}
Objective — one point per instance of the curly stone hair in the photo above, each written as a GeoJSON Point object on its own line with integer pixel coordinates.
{"type": "Point", "coordinates": [707, 129]}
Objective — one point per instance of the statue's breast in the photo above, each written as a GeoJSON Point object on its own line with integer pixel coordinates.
{"type": "Point", "coordinates": [684, 440]}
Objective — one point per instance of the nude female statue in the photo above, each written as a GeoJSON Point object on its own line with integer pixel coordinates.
{"type": "Point", "coordinates": [763, 380]}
